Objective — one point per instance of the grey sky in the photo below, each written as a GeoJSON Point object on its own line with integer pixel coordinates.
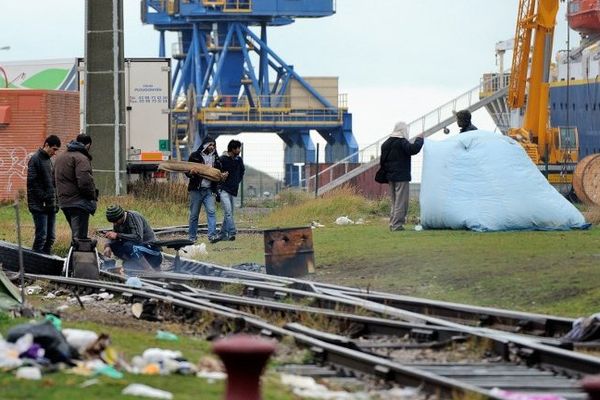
{"type": "Point", "coordinates": [396, 59]}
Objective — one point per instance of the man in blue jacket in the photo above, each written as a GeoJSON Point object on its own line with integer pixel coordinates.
{"type": "Point", "coordinates": [233, 165]}
{"type": "Point", "coordinates": [396, 153]}
{"type": "Point", "coordinates": [41, 195]}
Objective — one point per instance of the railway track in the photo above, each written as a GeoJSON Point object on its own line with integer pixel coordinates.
{"type": "Point", "coordinates": [354, 333]}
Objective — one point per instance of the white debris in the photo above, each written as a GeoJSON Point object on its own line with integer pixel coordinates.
{"type": "Point", "coordinates": [509, 395]}
{"type": "Point", "coordinates": [50, 296]}
{"type": "Point", "coordinates": [316, 224]}
{"type": "Point", "coordinates": [360, 221]}
{"type": "Point", "coordinates": [31, 373]}
{"type": "Point", "coordinates": [89, 382]}
{"type": "Point", "coordinates": [307, 387]}
{"type": "Point", "coordinates": [344, 220]}
{"type": "Point", "coordinates": [137, 389]}
{"type": "Point", "coordinates": [211, 376]}
{"type": "Point", "coordinates": [79, 338]}
{"type": "Point", "coordinates": [418, 228]}
{"type": "Point", "coordinates": [397, 393]}
{"type": "Point", "coordinates": [195, 250]}
{"type": "Point", "coordinates": [104, 296]}
{"type": "Point", "coordinates": [160, 355]}
{"type": "Point", "coordinates": [92, 297]}
{"type": "Point", "coordinates": [62, 307]}
{"type": "Point", "coordinates": [33, 289]}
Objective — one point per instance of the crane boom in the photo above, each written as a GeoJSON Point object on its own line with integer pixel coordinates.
{"type": "Point", "coordinates": [536, 19]}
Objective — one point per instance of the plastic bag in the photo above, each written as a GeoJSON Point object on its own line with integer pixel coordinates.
{"type": "Point", "coordinates": [485, 181]}
{"type": "Point", "coordinates": [45, 334]}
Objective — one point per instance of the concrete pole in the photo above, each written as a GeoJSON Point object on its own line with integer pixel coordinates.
{"type": "Point", "coordinates": [105, 93]}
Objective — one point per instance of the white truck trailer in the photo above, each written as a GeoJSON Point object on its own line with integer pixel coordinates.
{"type": "Point", "coordinates": [147, 118]}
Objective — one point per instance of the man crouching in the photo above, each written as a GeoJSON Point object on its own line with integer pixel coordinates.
{"type": "Point", "coordinates": [131, 239]}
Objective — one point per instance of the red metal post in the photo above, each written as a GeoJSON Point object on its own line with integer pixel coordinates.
{"type": "Point", "coordinates": [591, 384]}
{"type": "Point", "coordinates": [244, 357]}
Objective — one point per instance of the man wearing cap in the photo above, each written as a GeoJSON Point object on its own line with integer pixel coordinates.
{"type": "Point", "coordinates": [463, 120]}
{"type": "Point", "coordinates": [203, 191]}
{"type": "Point", "coordinates": [131, 239]}
{"type": "Point", "coordinates": [396, 153]}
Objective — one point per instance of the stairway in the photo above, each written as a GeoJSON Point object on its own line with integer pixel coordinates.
{"type": "Point", "coordinates": [479, 96]}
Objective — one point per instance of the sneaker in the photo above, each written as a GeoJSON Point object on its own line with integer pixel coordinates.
{"type": "Point", "coordinates": [214, 239]}
{"type": "Point", "coordinates": [231, 238]}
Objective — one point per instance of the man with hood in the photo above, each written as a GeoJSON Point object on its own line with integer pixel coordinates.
{"type": "Point", "coordinates": [77, 193]}
{"type": "Point", "coordinates": [41, 195]}
{"type": "Point", "coordinates": [202, 191]}
{"type": "Point", "coordinates": [463, 120]}
{"type": "Point", "coordinates": [396, 153]}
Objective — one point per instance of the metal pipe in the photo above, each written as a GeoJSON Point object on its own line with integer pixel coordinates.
{"type": "Point", "coordinates": [21, 266]}
{"type": "Point", "coordinates": [116, 103]}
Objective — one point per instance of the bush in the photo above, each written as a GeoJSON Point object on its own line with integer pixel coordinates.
{"type": "Point", "coordinates": [170, 191]}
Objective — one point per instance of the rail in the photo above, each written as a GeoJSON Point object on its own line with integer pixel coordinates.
{"type": "Point", "coordinates": [437, 378]}
{"type": "Point", "coordinates": [427, 124]}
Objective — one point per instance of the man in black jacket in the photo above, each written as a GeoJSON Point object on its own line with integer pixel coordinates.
{"type": "Point", "coordinates": [203, 191]}
{"type": "Point", "coordinates": [232, 163]}
{"type": "Point", "coordinates": [396, 153]}
{"type": "Point", "coordinates": [41, 195]}
{"type": "Point", "coordinates": [463, 120]}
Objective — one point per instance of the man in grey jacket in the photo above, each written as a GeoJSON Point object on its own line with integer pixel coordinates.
{"type": "Point", "coordinates": [77, 193]}
{"type": "Point", "coordinates": [131, 240]}
{"type": "Point", "coordinates": [41, 195]}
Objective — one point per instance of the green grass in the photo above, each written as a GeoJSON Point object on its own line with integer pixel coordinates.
{"type": "Point", "coordinates": [548, 272]}
{"type": "Point", "coordinates": [65, 386]}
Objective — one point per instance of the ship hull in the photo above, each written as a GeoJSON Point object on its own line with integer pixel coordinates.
{"type": "Point", "coordinates": [578, 104]}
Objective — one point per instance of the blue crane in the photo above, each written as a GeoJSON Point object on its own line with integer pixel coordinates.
{"type": "Point", "coordinates": [234, 82]}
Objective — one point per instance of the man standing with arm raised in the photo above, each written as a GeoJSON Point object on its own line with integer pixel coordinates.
{"type": "Point", "coordinates": [398, 151]}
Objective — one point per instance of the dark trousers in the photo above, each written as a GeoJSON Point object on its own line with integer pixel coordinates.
{"type": "Point", "coordinates": [45, 233]}
{"type": "Point", "coordinates": [132, 253]}
{"type": "Point", "coordinates": [78, 220]}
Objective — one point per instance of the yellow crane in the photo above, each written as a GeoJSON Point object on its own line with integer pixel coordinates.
{"type": "Point", "coordinates": [552, 147]}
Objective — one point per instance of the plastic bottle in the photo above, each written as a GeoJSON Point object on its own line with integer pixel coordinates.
{"type": "Point", "coordinates": [164, 335]}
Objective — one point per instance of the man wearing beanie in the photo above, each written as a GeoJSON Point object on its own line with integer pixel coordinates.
{"type": "Point", "coordinates": [463, 120]}
{"type": "Point", "coordinates": [202, 191]}
{"type": "Point", "coordinates": [130, 240]}
{"type": "Point", "coordinates": [396, 153]}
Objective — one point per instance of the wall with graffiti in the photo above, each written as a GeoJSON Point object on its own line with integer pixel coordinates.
{"type": "Point", "coordinates": [27, 117]}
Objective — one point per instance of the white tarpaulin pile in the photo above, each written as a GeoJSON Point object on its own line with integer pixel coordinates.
{"type": "Point", "coordinates": [485, 181]}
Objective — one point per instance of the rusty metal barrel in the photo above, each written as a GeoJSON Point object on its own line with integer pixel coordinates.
{"type": "Point", "coordinates": [289, 251]}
